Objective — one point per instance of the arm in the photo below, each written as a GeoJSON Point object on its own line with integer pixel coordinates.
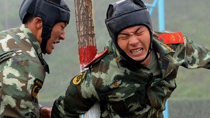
{"type": "Point", "coordinates": [79, 98]}
{"type": "Point", "coordinates": [193, 55]}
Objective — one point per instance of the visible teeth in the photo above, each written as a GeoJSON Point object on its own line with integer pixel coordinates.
{"type": "Point", "coordinates": [135, 51]}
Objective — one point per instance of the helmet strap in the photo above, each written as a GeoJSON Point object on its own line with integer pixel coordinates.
{"type": "Point", "coordinates": [149, 51]}
{"type": "Point", "coordinates": [46, 33]}
{"type": "Point", "coordinates": [44, 45]}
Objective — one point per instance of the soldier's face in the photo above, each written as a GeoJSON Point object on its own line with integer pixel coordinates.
{"type": "Point", "coordinates": [135, 41]}
{"type": "Point", "coordinates": [57, 34]}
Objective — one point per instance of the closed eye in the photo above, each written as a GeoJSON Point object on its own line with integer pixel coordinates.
{"type": "Point", "coordinates": [62, 27]}
{"type": "Point", "coordinates": [123, 36]}
{"type": "Point", "coordinates": [139, 33]}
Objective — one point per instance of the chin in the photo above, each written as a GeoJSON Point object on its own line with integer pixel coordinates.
{"type": "Point", "coordinates": [138, 58]}
{"type": "Point", "coordinates": [48, 52]}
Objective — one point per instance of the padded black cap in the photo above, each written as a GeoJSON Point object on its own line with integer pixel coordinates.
{"type": "Point", "coordinates": [124, 14]}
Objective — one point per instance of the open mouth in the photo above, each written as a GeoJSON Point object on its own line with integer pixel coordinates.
{"type": "Point", "coordinates": [136, 51]}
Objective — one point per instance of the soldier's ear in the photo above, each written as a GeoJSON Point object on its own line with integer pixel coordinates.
{"type": "Point", "coordinates": [38, 22]}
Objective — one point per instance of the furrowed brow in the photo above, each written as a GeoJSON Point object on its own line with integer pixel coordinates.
{"type": "Point", "coordinates": [124, 34]}
{"type": "Point", "coordinates": [138, 29]}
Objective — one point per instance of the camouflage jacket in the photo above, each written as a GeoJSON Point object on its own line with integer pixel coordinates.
{"type": "Point", "coordinates": [124, 90]}
{"type": "Point", "coordinates": [22, 73]}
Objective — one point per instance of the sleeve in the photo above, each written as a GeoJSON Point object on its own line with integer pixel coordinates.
{"type": "Point", "coordinates": [80, 96]}
{"type": "Point", "coordinates": [193, 56]}
{"type": "Point", "coordinates": [19, 87]}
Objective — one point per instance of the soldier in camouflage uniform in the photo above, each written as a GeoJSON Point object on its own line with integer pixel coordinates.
{"type": "Point", "coordinates": [135, 75]}
{"type": "Point", "coordinates": [22, 65]}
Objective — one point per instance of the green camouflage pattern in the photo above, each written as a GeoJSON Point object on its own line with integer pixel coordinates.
{"type": "Point", "coordinates": [124, 90]}
{"type": "Point", "coordinates": [22, 73]}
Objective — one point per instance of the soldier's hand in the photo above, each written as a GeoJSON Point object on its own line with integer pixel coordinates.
{"type": "Point", "coordinates": [45, 112]}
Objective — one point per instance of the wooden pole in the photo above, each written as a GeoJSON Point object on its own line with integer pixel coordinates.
{"type": "Point", "coordinates": [85, 31]}
{"type": "Point", "coordinates": [86, 40]}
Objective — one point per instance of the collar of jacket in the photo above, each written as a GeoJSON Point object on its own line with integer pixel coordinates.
{"type": "Point", "coordinates": [29, 35]}
{"type": "Point", "coordinates": [161, 48]}
{"type": "Point", "coordinates": [164, 55]}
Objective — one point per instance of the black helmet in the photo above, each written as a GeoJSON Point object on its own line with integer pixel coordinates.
{"type": "Point", "coordinates": [124, 14]}
{"type": "Point", "coordinates": [51, 13]}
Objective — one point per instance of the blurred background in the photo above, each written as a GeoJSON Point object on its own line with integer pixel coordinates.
{"type": "Point", "coordinates": [191, 99]}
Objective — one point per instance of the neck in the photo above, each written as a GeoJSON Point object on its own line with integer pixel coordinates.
{"type": "Point", "coordinates": [36, 29]}
{"type": "Point", "coordinates": [146, 62]}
